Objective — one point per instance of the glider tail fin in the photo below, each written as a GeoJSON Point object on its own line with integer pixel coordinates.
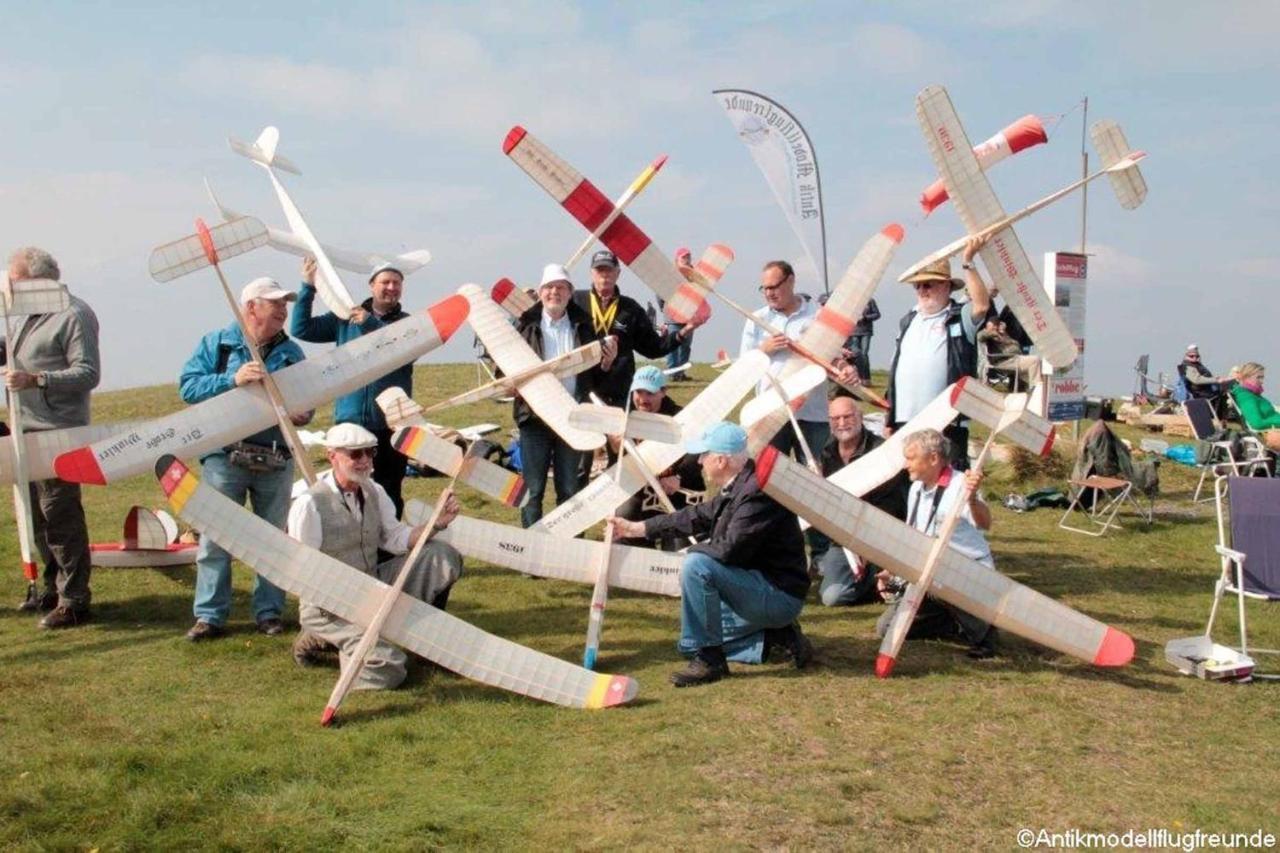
{"type": "Point", "coordinates": [263, 150]}
{"type": "Point", "coordinates": [1127, 181]}
{"type": "Point", "coordinates": [226, 213]}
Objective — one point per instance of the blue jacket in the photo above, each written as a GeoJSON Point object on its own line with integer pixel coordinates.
{"type": "Point", "coordinates": [361, 405]}
{"type": "Point", "coordinates": [211, 371]}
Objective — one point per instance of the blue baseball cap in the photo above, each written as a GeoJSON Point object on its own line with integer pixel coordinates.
{"type": "Point", "coordinates": [649, 378]}
{"type": "Point", "coordinates": [724, 437]}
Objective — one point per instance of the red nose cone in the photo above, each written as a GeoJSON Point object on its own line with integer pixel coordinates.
{"type": "Point", "coordinates": [513, 139]}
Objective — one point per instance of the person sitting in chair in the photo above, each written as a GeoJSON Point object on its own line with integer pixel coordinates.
{"type": "Point", "coordinates": [1258, 413]}
{"type": "Point", "coordinates": [1005, 356]}
{"type": "Point", "coordinates": [1200, 381]}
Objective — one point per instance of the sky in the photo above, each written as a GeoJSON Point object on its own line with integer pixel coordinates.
{"type": "Point", "coordinates": [396, 112]}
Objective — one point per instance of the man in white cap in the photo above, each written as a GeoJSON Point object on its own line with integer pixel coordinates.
{"type": "Point", "coordinates": [349, 516]}
{"type": "Point", "coordinates": [553, 327]}
{"type": "Point", "coordinates": [260, 467]}
{"type": "Point", "coordinates": [743, 588]}
{"type": "Point", "coordinates": [386, 284]}
{"type": "Point", "coordinates": [936, 345]}
{"type": "Point", "coordinates": [1201, 382]}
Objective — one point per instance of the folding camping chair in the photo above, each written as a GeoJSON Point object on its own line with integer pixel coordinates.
{"type": "Point", "coordinates": [1104, 479]}
{"type": "Point", "coordinates": [1098, 499]}
{"type": "Point", "coordinates": [1251, 560]}
{"type": "Point", "coordinates": [1222, 458]}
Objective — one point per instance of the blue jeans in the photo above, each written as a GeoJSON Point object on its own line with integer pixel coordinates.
{"type": "Point", "coordinates": [730, 607]}
{"type": "Point", "coordinates": [680, 354]}
{"type": "Point", "coordinates": [838, 585]}
{"type": "Point", "coordinates": [270, 496]}
{"type": "Point", "coordinates": [540, 449]}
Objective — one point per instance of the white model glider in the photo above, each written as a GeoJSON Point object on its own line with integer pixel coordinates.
{"type": "Point", "coordinates": [363, 263]}
{"type": "Point", "coordinates": [1024, 133]}
{"type": "Point", "coordinates": [976, 203]}
{"type": "Point", "coordinates": [180, 257]}
{"type": "Point", "coordinates": [597, 499]}
{"type": "Point", "coordinates": [328, 283]}
{"type": "Point", "coordinates": [25, 298]}
{"type": "Point", "coordinates": [41, 448]}
{"type": "Point", "coordinates": [610, 420]}
{"type": "Point", "coordinates": [683, 302]}
{"type": "Point", "coordinates": [150, 540]}
{"type": "Point", "coordinates": [353, 595]}
{"type": "Point", "coordinates": [232, 415]}
{"type": "Point", "coordinates": [637, 186]}
{"type": "Point", "coordinates": [960, 581]}
{"type": "Point", "coordinates": [536, 381]}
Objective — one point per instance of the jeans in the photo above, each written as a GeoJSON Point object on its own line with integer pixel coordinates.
{"type": "Point", "coordinates": [838, 585]}
{"type": "Point", "coordinates": [269, 493]}
{"type": "Point", "coordinates": [725, 606]}
{"type": "Point", "coordinates": [540, 449]}
{"type": "Point", "coordinates": [680, 354]}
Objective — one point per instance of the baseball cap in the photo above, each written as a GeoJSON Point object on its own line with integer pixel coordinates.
{"type": "Point", "coordinates": [265, 288]}
{"type": "Point", "coordinates": [349, 437]}
{"type": "Point", "coordinates": [385, 267]}
{"type": "Point", "coordinates": [604, 258]}
{"type": "Point", "coordinates": [649, 378]}
{"type": "Point", "coordinates": [555, 272]}
{"type": "Point", "coordinates": [724, 437]}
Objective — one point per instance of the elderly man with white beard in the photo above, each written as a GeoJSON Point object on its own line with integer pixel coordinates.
{"type": "Point", "coordinates": [349, 516]}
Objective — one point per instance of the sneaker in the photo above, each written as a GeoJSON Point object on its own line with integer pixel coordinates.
{"type": "Point", "coordinates": [271, 626]}
{"type": "Point", "coordinates": [788, 644]}
{"type": "Point", "coordinates": [39, 601]}
{"type": "Point", "coordinates": [310, 650]}
{"type": "Point", "coordinates": [707, 665]}
{"type": "Point", "coordinates": [202, 631]}
{"type": "Point", "coordinates": [65, 617]}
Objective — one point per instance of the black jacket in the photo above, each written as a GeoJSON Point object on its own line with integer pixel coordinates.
{"type": "Point", "coordinates": [748, 530]}
{"type": "Point", "coordinates": [635, 333]}
{"type": "Point", "coordinates": [529, 325]}
{"type": "Point", "coordinates": [890, 496]}
{"type": "Point", "coordinates": [866, 323]}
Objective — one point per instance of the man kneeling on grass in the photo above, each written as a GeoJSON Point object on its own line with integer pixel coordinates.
{"type": "Point", "coordinates": [935, 488]}
{"type": "Point", "coordinates": [348, 516]}
{"type": "Point", "coordinates": [741, 590]}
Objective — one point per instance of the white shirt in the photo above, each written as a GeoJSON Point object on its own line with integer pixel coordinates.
{"type": "Point", "coordinates": [557, 339]}
{"type": "Point", "coordinates": [304, 520]}
{"type": "Point", "coordinates": [967, 538]}
{"type": "Point", "coordinates": [793, 326]}
{"type": "Point", "coordinates": [922, 361]}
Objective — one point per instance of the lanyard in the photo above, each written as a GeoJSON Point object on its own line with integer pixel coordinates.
{"type": "Point", "coordinates": [938, 489]}
{"type": "Point", "coordinates": [602, 318]}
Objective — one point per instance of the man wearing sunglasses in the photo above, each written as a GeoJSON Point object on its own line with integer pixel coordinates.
{"type": "Point", "coordinates": [349, 516]}
{"type": "Point", "coordinates": [936, 345]}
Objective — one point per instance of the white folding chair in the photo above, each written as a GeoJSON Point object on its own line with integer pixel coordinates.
{"type": "Point", "coordinates": [1222, 459]}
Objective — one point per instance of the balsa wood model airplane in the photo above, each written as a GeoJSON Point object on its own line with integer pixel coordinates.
{"type": "Point", "coordinates": [959, 580]}
{"type": "Point", "coordinates": [363, 263]}
{"type": "Point", "coordinates": [355, 596]}
{"type": "Point", "coordinates": [1024, 133]}
{"type": "Point", "coordinates": [328, 283]}
{"type": "Point", "coordinates": [150, 540]}
{"type": "Point", "coordinates": [232, 415]}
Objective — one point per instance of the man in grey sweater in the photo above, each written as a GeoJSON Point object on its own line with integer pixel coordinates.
{"type": "Point", "coordinates": [53, 365]}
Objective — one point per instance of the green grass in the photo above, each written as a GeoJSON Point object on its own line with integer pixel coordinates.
{"type": "Point", "coordinates": [121, 735]}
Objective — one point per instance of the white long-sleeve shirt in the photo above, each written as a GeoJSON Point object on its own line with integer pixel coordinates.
{"type": "Point", "coordinates": [304, 520]}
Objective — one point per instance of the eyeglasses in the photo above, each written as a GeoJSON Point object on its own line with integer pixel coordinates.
{"type": "Point", "coordinates": [835, 418]}
{"type": "Point", "coordinates": [361, 452]}
{"type": "Point", "coordinates": [770, 288]}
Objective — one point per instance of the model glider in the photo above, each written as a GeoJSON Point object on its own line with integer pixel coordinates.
{"type": "Point", "coordinates": [1026, 132]}
{"type": "Point", "coordinates": [150, 540]}
{"type": "Point", "coordinates": [610, 420]}
{"type": "Point", "coordinates": [637, 186]}
{"type": "Point", "coordinates": [723, 360]}
{"type": "Point", "coordinates": [328, 283]}
{"type": "Point", "coordinates": [585, 203]}
{"type": "Point", "coordinates": [959, 580]}
{"type": "Point", "coordinates": [535, 380]}
{"type": "Point", "coordinates": [571, 363]}
{"type": "Point", "coordinates": [600, 589]}
{"type": "Point", "coordinates": [232, 415]}
{"type": "Point", "coordinates": [363, 263]}
{"type": "Point", "coordinates": [181, 257]}
{"type": "Point", "coordinates": [25, 298]}
{"type": "Point", "coordinates": [41, 448]}
{"type": "Point", "coordinates": [597, 499]}
{"type": "Point", "coordinates": [353, 595]}
{"type": "Point", "coordinates": [976, 203]}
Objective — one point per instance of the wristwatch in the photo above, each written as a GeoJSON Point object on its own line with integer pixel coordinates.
{"type": "Point", "coordinates": [42, 380]}
{"type": "Point", "coordinates": [966, 266]}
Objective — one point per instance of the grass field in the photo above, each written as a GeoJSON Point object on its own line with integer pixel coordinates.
{"type": "Point", "coordinates": [122, 735]}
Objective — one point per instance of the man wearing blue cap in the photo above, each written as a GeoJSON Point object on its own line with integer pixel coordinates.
{"type": "Point", "coordinates": [679, 482]}
{"type": "Point", "coordinates": [742, 589]}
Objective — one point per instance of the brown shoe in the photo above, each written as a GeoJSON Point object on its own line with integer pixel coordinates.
{"type": "Point", "coordinates": [271, 626]}
{"type": "Point", "coordinates": [65, 617]}
{"type": "Point", "coordinates": [707, 665]}
{"type": "Point", "coordinates": [310, 650]}
{"type": "Point", "coordinates": [39, 601]}
{"type": "Point", "coordinates": [202, 631]}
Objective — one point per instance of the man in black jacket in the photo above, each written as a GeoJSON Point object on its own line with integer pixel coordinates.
{"type": "Point", "coordinates": [741, 590]}
{"type": "Point", "coordinates": [553, 327]}
{"type": "Point", "coordinates": [611, 313]}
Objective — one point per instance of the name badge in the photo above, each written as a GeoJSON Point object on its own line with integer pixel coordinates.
{"type": "Point", "coordinates": [954, 331]}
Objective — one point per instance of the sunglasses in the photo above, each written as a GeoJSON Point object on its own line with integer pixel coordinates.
{"type": "Point", "coordinates": [362, 452]}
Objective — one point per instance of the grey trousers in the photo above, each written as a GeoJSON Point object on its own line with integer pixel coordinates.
{"type": "Point", "coordinates": [438, 568]}
{"type": "Point", "coordinates": [62, 540]}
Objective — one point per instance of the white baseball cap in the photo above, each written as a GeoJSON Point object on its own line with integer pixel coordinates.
{"type": "Point", "coordinates": [265, 288]}
{"type": "Point", "coordinates": [553, 273]}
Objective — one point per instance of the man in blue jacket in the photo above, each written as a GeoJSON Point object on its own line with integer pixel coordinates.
{"type": "Point", "coordinates": [361, 406]}
{"type": "Point", "coordinates": [259, 467]}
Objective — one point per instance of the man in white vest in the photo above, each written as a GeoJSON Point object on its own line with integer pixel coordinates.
{"type": "Point", "coordinates": [349, 517]}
